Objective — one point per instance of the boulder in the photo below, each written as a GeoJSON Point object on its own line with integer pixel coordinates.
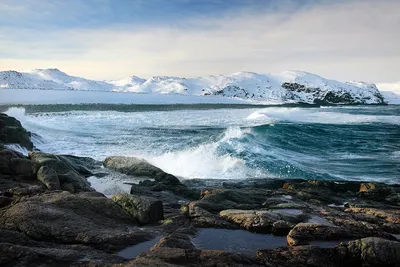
{"type": "Point", "coordinates": [14, 163]}
{"type": "Point", "coordinates": [48, 177]}
{"type": "Point", "coordinates": [252, 220]}
{"type": "Point", "coordinates": [71, 175]}
{"type": "Point", "coordinates": [12, 132]}
{"type": "Point", "coordinates": [139, 167]}
{"type": "Point", "coordinates": [262, 221]}
{"type": "Point", "coordinates": [303, 233]}
{"type": "Point", "coordinates": [370, 252]}
{"type": "Point", "coordinates": [366, 252]}
{"type": "Point", "coordinates": [144, 209]}
{"type": "Point", "coordinates": [222, 199]}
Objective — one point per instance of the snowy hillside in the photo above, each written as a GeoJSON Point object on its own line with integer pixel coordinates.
{"type": "Point", "coordinates": [287, 87]}
{"type": "Point", "coordinates": [284, 87]}
{"type": "Point", "coordinates": [49, 79]}
{"type": "Point", "coordinates": [390, 91]}
{"type": "Point", "coordinates": [14, 79]}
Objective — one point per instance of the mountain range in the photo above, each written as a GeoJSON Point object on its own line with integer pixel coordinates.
{"type": "Point", "coordinates": [284, 87]}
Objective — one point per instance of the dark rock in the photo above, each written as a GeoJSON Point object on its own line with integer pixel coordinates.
{"type": "Point", "coordinates": [175, 240]}
{"type": "Point", "coordinates": [8, 161]}
{"type": "Point", "coordinates": [21, 166]}
{"type": "Point", "coordinates": [139, 167]}
{"type": "Point", "coordinates": [164, 256]}
{"type": "Point", "coordinates": [374, 191]}
{"type": "Point", "coordinates": [12, 132]}
{"type": "Point", "coordinates": [153, 186]}
{"type": "Point", "coordinates": [25, 191]}
{"type": "Point", "coordinates": [370, 252]}
{"type": "Point", "coordinates": [223, 199]}
{"type": "Point", "coordinates": [367, 252]}
{"type": "Point", "coordinates": [66, 218]}
{"type": "Point", "coordinates": [281, 227]}
{"type": "Point", "coordinates": [72, 255]}
{"type": "Point", "coordinates": [389, 215]}
{"type": "Point", "coordinates": [48, 177]}
{"type": "Point", "coordinates": [300, 256]}
{"type": "Point", "coordinates": [68, 171]}
{"type": "Point", "coordinates": [303, 233]}
{"type": "Point", "coordinates": [144, 209]}
{"type": "Point", "coordinates": [252, 220]}
{"type": "Point", "coordinates": [4, 201]}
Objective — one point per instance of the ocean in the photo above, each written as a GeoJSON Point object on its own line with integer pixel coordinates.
{"type": "Point", "coordinates": [222, 141]}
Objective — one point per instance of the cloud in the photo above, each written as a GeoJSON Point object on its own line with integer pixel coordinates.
{"type": "Point", "coordinates": [342, 40]}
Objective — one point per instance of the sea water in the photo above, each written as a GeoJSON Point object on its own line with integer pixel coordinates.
{"type": "Point", "coordinates": [227, 141]}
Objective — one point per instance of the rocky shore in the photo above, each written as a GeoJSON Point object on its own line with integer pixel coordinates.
{"type": "Point", "coordinates": [51, 216]}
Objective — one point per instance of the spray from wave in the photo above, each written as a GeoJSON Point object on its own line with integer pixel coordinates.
{"type": "Point", "coordinates": [210, 160]}
{"type": "Point", "coordinates": [18, 113]}
{"type": "Point", "coordinates": [313, 143]}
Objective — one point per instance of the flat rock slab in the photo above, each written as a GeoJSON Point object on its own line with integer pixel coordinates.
{"type": "Point", "coordinates": [144, 209]}
{"type": "Point", "coordinates": [85, 218]}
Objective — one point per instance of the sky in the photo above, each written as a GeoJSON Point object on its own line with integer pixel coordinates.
{"type": "Point", "coordinates": [113, 39]}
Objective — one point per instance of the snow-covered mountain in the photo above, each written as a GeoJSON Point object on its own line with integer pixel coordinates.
{"type": "Point", "coordinates": [287, 87]}
{"type": "Point", "coordinates": [390, 91]}
{"type": "Point", "coordinates": [284, 87]}
{"type": "Point", "coordinates": [49, 79]}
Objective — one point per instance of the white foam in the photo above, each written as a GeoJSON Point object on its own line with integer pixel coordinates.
{"type": "Point", "coordinates": [109, 187]}
{"type": "Point", "coordinates": [308, 115]}
{"type": "Point", "coordinates": [18, 113]}
{"type": "Point", "coordinates": [204, 160]}
{"type": "Point", "coordinates": [18, 148]}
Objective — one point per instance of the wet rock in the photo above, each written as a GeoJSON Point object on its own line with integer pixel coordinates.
{"type": "Point", "coordinates": [367, 252]}
{"type": "Point", "coordinates": [223, 199]}
{"type": "Point", "coordinates": [21, 166]}
{"type": "Point", "coordinates": [153, 186]}
{"type": "Point", "coordinates": [374, 191]}
{"type": "Point", "coordinates": [371, 251]}
{"type": "Point", "coordinates": [25, 191]}
{"type": "Point", "coordinates": [4, 201]}
{"type": "Point", "coordinates": [66, 218]}
{"type": "Point", "coordinates": [12, 132]}
{"type": "Point", "coordinates": [73, 255]}
{"type": "Point", "coordinates": [281, 227]}
{"type": "Point", "coordinates": [164, 256]}
{"type": "Point", "coordinates": [300, 256]}
{"type": "Point", "coordinates": [390, 215]}
{"type": "Point", "coordinates": [303, 233]}
{"type": "Point", "coordinates": [48, 177]}
{"type": "Point", "coordinates": [144, 209]}
{"type": "Point", "coordinates": [139, 167]}
{"type": "Point", "coordinates": [175, 240]}
{"type": "Point", "coordinates": [252, 220]}
{"type": "Point", "coordinates": [68, 171]}
{"type": "Point", "coordinates": [14, 163]}
{"type": "Point", "coordinates": [203, 218]}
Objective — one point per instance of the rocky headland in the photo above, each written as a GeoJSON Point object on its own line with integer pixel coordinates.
{"type": "Point", "coordinates": [51, 216]}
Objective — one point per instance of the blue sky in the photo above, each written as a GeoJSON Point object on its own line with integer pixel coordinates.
{"type": "Point", "coordinates": [56, 14]}
{"type": "Point", "coordinates": [107, 39]}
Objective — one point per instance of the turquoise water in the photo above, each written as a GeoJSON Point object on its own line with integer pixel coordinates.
{"type": "Point", "coordinates": [229, 142]}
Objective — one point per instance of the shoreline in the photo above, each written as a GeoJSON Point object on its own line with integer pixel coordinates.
{"type": "Point", "coordinates": [50, 215]}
